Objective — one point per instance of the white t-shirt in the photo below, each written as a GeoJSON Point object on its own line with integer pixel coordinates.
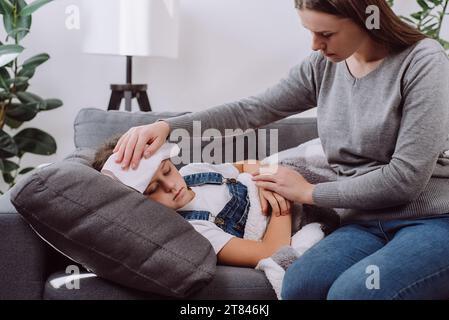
{"type": "Point", "coordinates": [211, 198]}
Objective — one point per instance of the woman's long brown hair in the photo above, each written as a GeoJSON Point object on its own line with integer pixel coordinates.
{"type": "Point", "coordinates": [394, 33]}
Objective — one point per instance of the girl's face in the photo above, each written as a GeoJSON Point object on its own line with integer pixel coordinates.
{"type": "Point", "coordinates": [168, 187]}
{"type": "Point", "coordinates": [337, 38]}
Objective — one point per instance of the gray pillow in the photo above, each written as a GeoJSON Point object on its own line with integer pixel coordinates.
{"type": "Point", "coordinates": [113, 230]}
{"type": "Point", "coordinates": [94, 126]}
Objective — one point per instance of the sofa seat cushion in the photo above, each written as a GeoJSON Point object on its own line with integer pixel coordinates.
{"type": "Point", "coordinates": [229, 283]}
{"type": "Point", "coordinates": [22, 260]}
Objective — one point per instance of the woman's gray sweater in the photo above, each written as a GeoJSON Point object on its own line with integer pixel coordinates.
{"type": "Point", "coordinates": [384, 134]}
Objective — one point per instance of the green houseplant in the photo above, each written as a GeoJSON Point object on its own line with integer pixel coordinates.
{"type": "Point", "coordinates": [430, 18]}
{"type": "Point", "coordinates": [17, 104]}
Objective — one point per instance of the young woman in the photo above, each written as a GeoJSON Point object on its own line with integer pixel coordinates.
{"type": "Point", "coordinates": [383, 119]}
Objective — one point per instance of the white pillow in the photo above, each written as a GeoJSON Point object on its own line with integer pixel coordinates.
{"type": "Point", "coordinates": [307, 149]}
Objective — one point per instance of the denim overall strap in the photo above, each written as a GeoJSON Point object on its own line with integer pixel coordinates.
{"type": "Point", "coordinates": [195, 214]}
{"type": "Point", "coordinates": [198, 179]}
{"type": "Point", "coordinates": [232, 218]}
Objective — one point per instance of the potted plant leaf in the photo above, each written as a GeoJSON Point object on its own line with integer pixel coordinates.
{"type": "Point", "coordinates": [17, 103]}
{"type": "Point", "coordinates": [430, 18]}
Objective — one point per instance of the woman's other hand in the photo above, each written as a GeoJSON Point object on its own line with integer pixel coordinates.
{"type": "Point", "coordinates": [140, 141]}
{"type": "Point", "coordinates": [279, 205]}
{"type": "Point", "coordinates": [288, 183]}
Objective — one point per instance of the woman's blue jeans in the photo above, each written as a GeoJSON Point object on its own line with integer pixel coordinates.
{"type": "Point", "coordinates": [399, 259]}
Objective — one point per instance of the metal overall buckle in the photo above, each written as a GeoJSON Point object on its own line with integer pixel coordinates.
{"type": "Point", "coordinates": [229, 180]}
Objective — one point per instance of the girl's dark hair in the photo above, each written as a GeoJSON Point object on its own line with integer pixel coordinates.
{"type": "Point", "coordinates": [394, 33]}
{"type": "Point", "coordinates": [104, 152]}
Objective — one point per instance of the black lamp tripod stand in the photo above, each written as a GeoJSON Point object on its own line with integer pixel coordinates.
{"type": "Point", "coordinates": [129, 91]}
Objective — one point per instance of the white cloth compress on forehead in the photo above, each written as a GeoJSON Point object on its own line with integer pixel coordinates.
{"type": "Point", "coordinates": [140, 178]}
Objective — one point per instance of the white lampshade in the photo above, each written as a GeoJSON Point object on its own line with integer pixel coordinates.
{"type": "Point", "coordinates": [131, 27]}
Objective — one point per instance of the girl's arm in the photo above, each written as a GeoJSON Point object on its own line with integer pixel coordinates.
{"type": "Point", "coordinates": [249, 166]}
{"type": "Point", "coordinates": [247, 253]}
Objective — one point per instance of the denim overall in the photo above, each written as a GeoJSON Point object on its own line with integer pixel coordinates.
{"type": "Point", "coordinates": [232, 218]}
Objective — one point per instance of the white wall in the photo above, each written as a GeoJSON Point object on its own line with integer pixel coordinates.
{"type": "Point", "coordinates": [229, 49]}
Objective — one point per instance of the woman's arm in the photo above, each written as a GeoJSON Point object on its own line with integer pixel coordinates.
{"type": "Point", "coordinates": [247, 253]}
{"type": "Point", "coordinates": [293, 94]}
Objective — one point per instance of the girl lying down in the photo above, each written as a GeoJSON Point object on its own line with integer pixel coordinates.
{"type": "Point", "coordinates": [223, 204]}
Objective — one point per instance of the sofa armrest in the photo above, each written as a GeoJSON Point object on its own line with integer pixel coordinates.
{"type": "Point", "coordinates": [22, 256]}
{"type": "Point", "coordinates": [5, 204]}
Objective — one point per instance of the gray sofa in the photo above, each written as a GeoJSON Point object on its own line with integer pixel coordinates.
{"type": "Point", "coordinates": [28, 264]}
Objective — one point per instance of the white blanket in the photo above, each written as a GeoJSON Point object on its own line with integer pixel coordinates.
{"type": "Point", "coordinates": [256, 223]}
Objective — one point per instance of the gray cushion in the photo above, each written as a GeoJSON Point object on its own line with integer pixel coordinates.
{"type": "Point", "coordinates": [94, 126]}
{"type": "Point", "coordinates": [291, 132]}
{"type": "Point", "coordinates": [112, 230]}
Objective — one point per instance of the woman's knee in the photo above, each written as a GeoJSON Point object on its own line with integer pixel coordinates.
{"type": "Point", "coordinates": [359, 283]}
{"type": "Point", "coordinates": [347, 289]}
{"type": "Point", "coordinates": [303, 282]}
{"type": "Point", "coordinates": [309, 277]}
